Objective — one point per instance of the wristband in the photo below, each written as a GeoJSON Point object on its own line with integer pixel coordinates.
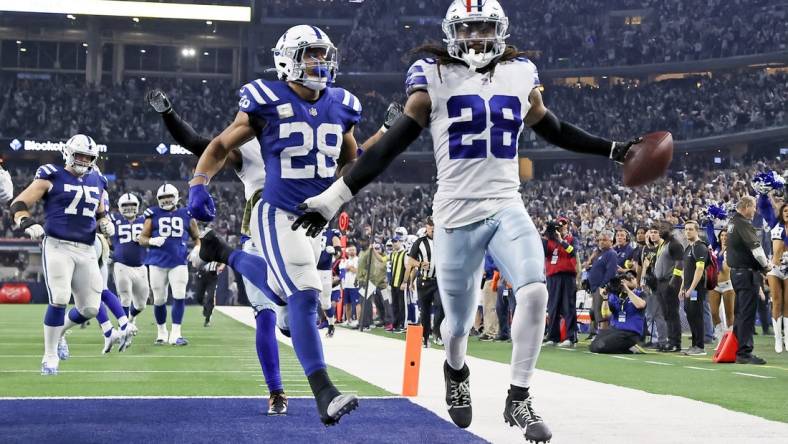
{"type": "Point", "coordinates": [204, 176]}
{"type": "Point", "coordinates": [383, 128]}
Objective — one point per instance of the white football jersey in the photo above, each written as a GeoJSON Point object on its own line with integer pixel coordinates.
{"type": "Point", "coordinates": [252, 172]}
{"type": "Point", "coordinates": [475, 124]}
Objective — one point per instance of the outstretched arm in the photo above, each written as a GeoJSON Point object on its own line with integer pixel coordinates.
{"type": "Point", "coordinates": [569, 137]}
{"type": "Point", "coordinates": [766, 209]}
{"type": "Point", "coordinates": [320, 209]}
{"type": "Point", "coordinates": [711, 235]}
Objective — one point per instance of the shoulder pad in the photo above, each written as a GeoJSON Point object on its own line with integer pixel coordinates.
{"type": "Point", "coordinates": [255, 95]}
{"type": "Point", "coordinates": [348, 99]}
{"type": "Point", "coordinates": [148, 212]}
{"type": "Point", "coordinates": [45, 172]}
{"type": "Point", "coordinates": [417, 79]}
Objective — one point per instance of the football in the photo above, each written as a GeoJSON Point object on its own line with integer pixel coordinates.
{"type": "Point", "coordinates": [648, 160]}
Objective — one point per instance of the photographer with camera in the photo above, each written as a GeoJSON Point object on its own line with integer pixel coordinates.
{"type": "Point", "coordinates": [561, 270]}
{"type": "Point", "coordinates": [627, 310]}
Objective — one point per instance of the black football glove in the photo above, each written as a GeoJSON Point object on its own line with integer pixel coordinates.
{"type": "Point", "coordinates": [314, 222]}
{"type": "Point", "coordinates": [158, 101]}
{"type": "Point", "coordinates": [393, 112]}
{"type": "Point", "coordinates": [619, 150]}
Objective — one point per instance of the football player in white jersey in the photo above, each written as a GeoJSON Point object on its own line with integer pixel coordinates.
{"type": "Point", "coordinates": [475, 95]}
{"type": "Point", "coordinates": [6, 186]}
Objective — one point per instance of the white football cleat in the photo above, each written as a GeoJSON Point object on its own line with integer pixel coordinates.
{"type": "Point", "coordinates": [126, 337]}
{"type": "Point", "coordinates": [161, 338]}
{"type": "Point", "coordinates": [113, 339]}
{"type": "Point", "coordinates": [132, 329]}
{"type": "Point", "coordinates": [49, 366]}
{"type": "Point", "coordinates": [62, 350]}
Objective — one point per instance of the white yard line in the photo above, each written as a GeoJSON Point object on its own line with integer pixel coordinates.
{"type": "Point", "coordinates": [753, 376]}
{"type": "Point", "coordinates": [657, 363]}
{"type": "Point", "coordinates": [557, 397]}
{"type": "Point", "coordinates": [700, 368]}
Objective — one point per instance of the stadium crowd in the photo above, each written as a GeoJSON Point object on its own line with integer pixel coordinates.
{"type": "Point", "coordinates": [692, 107]}
{"type": "Point", "coordinates": [562, 33]}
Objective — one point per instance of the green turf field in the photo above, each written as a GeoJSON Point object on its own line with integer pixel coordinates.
{"type": "Point", "coordinates": [219, 361]}
{"type": "Point", "coordinates": [758, 390]}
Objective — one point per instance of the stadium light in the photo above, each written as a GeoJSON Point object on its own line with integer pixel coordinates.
{"type": "Point", "coordinates": [143, 51]}
{"type": "Point", "coordinates": [135, 19]}
{"type": "Point", "coordinates": [71, 16]}
{"type": "Point", "coordinates": [188, 52]}
{"type": "Point", "coordinates": [22, 49]}
{"type": "Point", "coordinates": [115, 8]}
{"type": "Point", "coordinates": [84, 45]}
{"type": "Point", "coordinates": [18, 42]}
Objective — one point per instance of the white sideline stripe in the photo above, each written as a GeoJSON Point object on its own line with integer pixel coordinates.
{"type": "Point", "coordinates": [555, 395]}
{"type": "Point", "coordinates": [91, 398]}
{"type": "Point", "coordinates": [626, 358]}
{"type": "Point", "coordinates": [700, 368]}
{"type": "Point", "coordinates": [658, 363]}
{"type": "Point", "coordinates": [753, 376]}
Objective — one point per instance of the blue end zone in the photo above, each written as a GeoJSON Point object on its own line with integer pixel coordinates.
{"type": "Point", "coordinates": [217, 420]}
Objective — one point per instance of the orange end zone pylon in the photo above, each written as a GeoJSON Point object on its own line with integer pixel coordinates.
{"type": "Point", "coordinates": [410, 376]}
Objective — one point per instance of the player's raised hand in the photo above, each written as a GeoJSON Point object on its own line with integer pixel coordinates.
{"type": "Point", "coordinates": [320, 209]}
{"type": "Point", "coordinates": [32, 228]}
{"type": "Point", "coordinates": [393, 112]}
{"type": "Point", "coordinates": [201, 203]}
{"type": "Point", "coordinates": [619, 150]}
{"type": "Point", "coordinates": [158, 101]}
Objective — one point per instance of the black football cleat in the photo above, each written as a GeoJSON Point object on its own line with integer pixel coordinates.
{"type": "Point", "coordinates": [458, 394]}
{"type": "Point", "coordinates": [214, 249]}
{"type": "Point", "coordinates": [339, 406]}
{"type": "Point", "coordinates": [277, 405]}
{"type": "Point", "coordinates": [519, 412]}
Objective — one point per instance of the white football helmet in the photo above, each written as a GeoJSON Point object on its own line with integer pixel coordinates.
{"type": "Point", "coordinates": [80, 144]}
{"type": "Point", "coordinates": [296, 57]}
{"type": "Point", "coordinates": [129, 205]}
{"type": "Point", "coordinates": [476, 31]}
{"type": "Point", "coordinates": [167, 196]}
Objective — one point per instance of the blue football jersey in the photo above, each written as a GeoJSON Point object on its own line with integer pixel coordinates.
{"type": "Point", "coordinates": [174, 225]}
{"type": "Point", "coordinates": [325, 261]}
{"type": "Point", "coordinates": [124, 249]}
{"type": "Point", "coordinates": [301, 140]}
{"type": "Point", "coordinates": [70, 205]}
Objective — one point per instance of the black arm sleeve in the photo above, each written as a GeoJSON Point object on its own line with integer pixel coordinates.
{"type": "Point", "coordinates": [184, 134]}
{"type": "Point", "coordinates": [375, 160]}
{"type": "Point", "coordinates": [569, 137]}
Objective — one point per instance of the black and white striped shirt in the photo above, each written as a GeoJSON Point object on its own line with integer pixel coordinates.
{"type": "Point", "coordinates": [422, 252]}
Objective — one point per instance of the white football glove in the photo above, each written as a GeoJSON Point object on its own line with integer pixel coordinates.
{"type": "Point", "coordinates": [32, 228]}
{"type": "Point", "coordinates": [106, 227]}
{"type": "Point", "coordinates": [6, 187]}
{"type": "Point", "coordinates": [322, 208]}
{"type": "Point", "coordinates": [157, 241]}
{"type": "Point", "coordinates": [194, 258]}
{"type": "Point", "coordinates": [330, 249]}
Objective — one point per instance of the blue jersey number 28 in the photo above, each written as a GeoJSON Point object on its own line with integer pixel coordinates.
{"type": "Point", "coordinates": [505, 116]}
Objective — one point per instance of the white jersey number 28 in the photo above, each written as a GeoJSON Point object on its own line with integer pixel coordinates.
{"type": "Point", "coordinates": [328, 141]}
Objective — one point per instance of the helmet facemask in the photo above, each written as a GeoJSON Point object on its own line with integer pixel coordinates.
{"type": "Point", "coordinates": [129, 209]}
{"type": "Point", "coordinates": [167, 201]}
{"type": "Point", "coordinates": [314, 66]}
{"type": "Point", "coordinates": [477, 41]}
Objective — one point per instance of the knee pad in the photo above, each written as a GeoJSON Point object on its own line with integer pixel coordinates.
{"type": "Point", "coordinates": [533, 293]}
{"type": "Point", "coordinates": [89, 312]}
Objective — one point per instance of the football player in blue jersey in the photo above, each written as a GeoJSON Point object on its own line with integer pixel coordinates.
{"type": "Point", "coordinates": [165, 232]}
{"type": "Point", "coordinates": [73, 209]}
{"type": "Point", "coordinates": [128, 256]}
{"type": "Point", "coordinates": [305, 128]}
{"type": "Point", "coordinates": [329, 245]}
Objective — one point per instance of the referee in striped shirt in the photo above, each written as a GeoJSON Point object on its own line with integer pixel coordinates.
{"type": "Point", "coordinates": [426, 284]}
{"type": "Point", "coordinates": [396, 272]}
{"type": "Point", "coordinates": [205, 288]}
